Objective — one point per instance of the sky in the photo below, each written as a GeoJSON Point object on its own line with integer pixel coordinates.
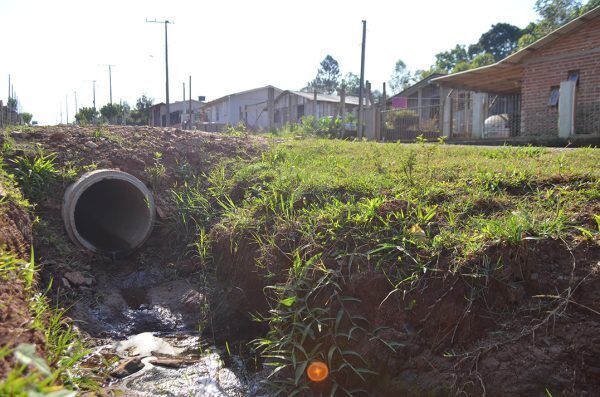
{"type": "Point", "coordinates": [54, 49]}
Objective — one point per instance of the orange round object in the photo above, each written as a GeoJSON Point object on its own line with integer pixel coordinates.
{"type": "Point", "coordinates": [317, 371]}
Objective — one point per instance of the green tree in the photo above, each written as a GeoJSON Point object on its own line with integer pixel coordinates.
{"type": "Point", "coordinates": [590, 5]}
{"type": "Point", "coordinates": [461, 67]}
{"type": "Point", "coordinates": [86, 115]}
{"type": "Point", "coordinates": [482, 60]}
{"type": "Point", "coordinates": [327, 79]}
{"type": "Point", "coordinates": [12, 103]}
{"type": "Point", "coordinates": [555, 13]}
{"type": "Point", "coordinates": [500, 41]}
{"type": "Point", "coordinates": [526, 40]}
{"type": "Point", "coordinates": [110, 111]}
{"type": "Point", "coordinates": [400, 78]}
{"type": "Point", "coordinates": [141, 114]}
{"type": "Point", "coordinates": [352, 83]}
{"type": "Point", "coordinates": [447, 60]}
{"type": "Point", "coordinates": [26, 117]}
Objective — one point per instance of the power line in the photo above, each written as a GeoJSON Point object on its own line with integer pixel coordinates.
{"type": "Point", "coordinates": [166, 22]}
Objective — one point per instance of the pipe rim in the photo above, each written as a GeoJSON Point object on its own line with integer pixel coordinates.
{"type": "Point", "coordinates": [76, 189]}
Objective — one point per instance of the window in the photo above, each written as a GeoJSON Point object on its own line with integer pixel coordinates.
{"type": "Point", "coordinates": [217, 117]}
{"type": "Point", "coordinates": [554, 94]}
{"type": "Point", "coordinates": [574, 76]}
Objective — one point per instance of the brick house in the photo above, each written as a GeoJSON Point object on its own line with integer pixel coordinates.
{"type": "Point", "coordinates": [548, 89]}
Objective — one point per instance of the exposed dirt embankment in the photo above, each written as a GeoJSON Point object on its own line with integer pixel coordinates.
{"type": "Point", "coordinates": [160, 288]}
{"type": "Point", "coordinates": [15, 318]}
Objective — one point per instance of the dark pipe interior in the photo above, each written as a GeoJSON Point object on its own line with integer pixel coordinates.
{"type": "Point", "coordinates": [112, 215]}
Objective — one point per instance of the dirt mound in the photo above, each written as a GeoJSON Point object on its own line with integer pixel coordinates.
{"type": "Point", "coordinates": [112, 298]}
{"type": "Point", "coordinates": [15, 237]}
{"type": "Point", "coordinates": [528, 325]}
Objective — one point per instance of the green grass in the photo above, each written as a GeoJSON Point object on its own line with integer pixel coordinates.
{"type": "Point", "coordinates": [390, 208]}
{"type": "Point", "coordinates": [63, 347]}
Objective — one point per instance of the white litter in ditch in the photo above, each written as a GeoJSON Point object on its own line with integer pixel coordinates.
{"type": "Point", "coordinates": [144, 345]}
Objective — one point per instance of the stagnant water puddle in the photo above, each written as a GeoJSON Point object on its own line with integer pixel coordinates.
{"type": "Point", "coordinates": [145, 323]}
{"type": "Point", "coordinates": [174, 365]}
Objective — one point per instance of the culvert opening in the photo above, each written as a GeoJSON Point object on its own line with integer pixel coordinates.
{"type": "Point", "coordinates": [109, 212]}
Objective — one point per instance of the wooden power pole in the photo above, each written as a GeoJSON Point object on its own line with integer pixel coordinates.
{"type": "Point", "coordinates": [361, 91]}
{"type": "Point", "coordinates": [166, 22]}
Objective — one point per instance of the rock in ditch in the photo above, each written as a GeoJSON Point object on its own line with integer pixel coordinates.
{"type": "Point", "coordinates": [127, 367]}
{"type": "Point", "coordinates": [76, 278]}
{"type": "Point", "coordinates": [175, 362]}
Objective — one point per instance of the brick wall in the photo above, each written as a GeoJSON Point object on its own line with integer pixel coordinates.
{"type": "Point", "coordinates": [547, 67]}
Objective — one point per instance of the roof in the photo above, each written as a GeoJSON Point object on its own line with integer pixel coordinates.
{"type": "Point", "coordinates": [504, 76]}
{"type": "Point", "coordinates": [349, 100]}
{"type": "Point", "coordinates": [225, 97]}
{"type": "Point", "coordinates": [411, 90]}
{"type": "Point", "coordinates": [173, 103]}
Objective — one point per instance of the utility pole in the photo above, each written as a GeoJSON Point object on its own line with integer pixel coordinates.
{"type": "Point", "coordinates": [67, 107]}
{"type": "Point", "coordinates": [75, 92]}
{"type": "Point", "coordinates": [359, 130]}
{"type": "Point", "coordinates": [190, 96]}
{"type": "Point", "coordinates": [166, 22]}
{"type": "Point", "coordinates": [109, 81]}
{"type": "Point", "coordinates": [93, 91]}
{"type": "Point", "coordinates": [182, 108]}
{"type": "Point", "coordinates": [8, 100]}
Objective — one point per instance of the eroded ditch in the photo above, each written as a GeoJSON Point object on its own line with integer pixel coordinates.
{"type": "Point", "coordinates": [142, 301]}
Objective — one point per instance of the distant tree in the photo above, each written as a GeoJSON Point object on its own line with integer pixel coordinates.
{"type": "Point", "coordinates": [482, 60]}
{"type": "Point", "coordinates": [12, 103]}
{"type": "Point", "coordinates": [526, 40]}
{"type": "Point", "coordinates": [500, 41]}
{"type": "Point", "coordinates": [590, 5]}
{"type": "Point", "coordinates": [327, 79]}
{"type": "Point", "coordinates": [421, 74]}
{"type": "Point", "coordinates": [447, 60]}
{"type": "Point", "coordinates": [110, 111]}
{"type": "Point", "coordinates": [86, 115]}
{"type": "Point", "coordinates": [26, 117]}
{"type": "Point", "coordinates": [400, 78]}
{"type": "Point", "coordinates": [141, 114]}
{"type": "Point", "coordinates": [555, 13]}
{"type": "Point", "coordinates": [352, 83]}
{"type": "Point", "coordinates": [461, 67]}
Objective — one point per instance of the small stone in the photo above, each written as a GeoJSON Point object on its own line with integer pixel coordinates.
{"type": "Point", "coordinates": [127, 367]}
{"type": "Point", "coordinates": [91, 145]}
{"type": "Point", "coordinates": [58, 136]}
{"type": "Point", "coordinates": [160, 212]}
{"type": "Point", "coordinates": [178, 362]}
{"type": "Point", "coordinates": [78, 279]}
{"type": "Point", "coordinates": [105, 163]}
{"type": "Point", "coordinates": [534, 276]}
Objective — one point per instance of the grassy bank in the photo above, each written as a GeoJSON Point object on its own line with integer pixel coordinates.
{"type": "Point", "coordinates": [39, 350]}
{"type": "Point", "coordinates": [334, 232]}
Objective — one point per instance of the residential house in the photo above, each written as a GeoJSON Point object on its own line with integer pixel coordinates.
{"type": "Point", "coordinates": [414, 111]}
{"type": "Point", "coordinates": [550, 89]}
{"type": "Point", "coordinates": [179, 113]}
{"type": "Point", "coordinates": [250, 107]}
{"type": "Point", "coordinates": [291, 106]}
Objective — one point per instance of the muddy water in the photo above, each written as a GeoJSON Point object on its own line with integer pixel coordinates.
{"type": "Point", "coordinates": [150, 326]}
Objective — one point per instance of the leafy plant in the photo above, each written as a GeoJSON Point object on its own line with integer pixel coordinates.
{"type": "Point", "coordinates": [35, 174]}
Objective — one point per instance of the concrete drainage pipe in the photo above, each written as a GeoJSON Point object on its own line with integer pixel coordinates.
{"type": "Point", "coordinates": [109, 212]}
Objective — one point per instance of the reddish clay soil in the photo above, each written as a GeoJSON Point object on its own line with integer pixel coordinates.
{"type": "Point", "coordinates": [15, 236]}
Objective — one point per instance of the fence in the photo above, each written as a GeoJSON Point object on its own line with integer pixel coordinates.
{"type": "Point", "coordinates": [408, 123]}
{"type": "Point", "coordinates": [484, 115]}
{"type": "Point", "coordinates": [587, 110]}
{"type": "Point", "coordinates": [502, 116]}
{"type": "Point", "coordinates": [461, 105]}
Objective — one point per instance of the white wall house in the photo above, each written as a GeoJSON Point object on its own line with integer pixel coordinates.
{"type": "Point", "coordinates": [249, 107]}
{"type": "Point", "coordinates": [291, 106]}
{"type": "Point", "coordinates": [179, 112]}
